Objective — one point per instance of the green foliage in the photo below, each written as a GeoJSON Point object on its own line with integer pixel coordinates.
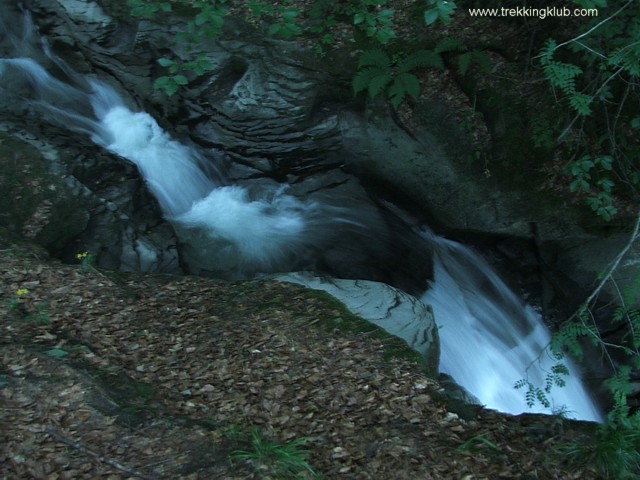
{"type": "Point", "coordinates": [534, 394]}
{"type": "Point", "coordinates": [177, 73]}
{"type": "Point", "coordinates": [371, 18]}
{"type": "Point", "coordinates": [439, 10]}
{"type": "Point", "coordinates": [614, 451]}
{"type": "Point", "coordinates": [205, 21]}
{"type": "Point", "coordinates": [287, 26]}
{"type": "Point", "coordinates": [20, 305]}
{"type": "Point", "coordinates": [146, 8]}
{"type": "Point", "coordinates": [466, 59]}
{"type": "Point", "coordinates": [367, 17]}
{"type": "Point", "coordinates": [477, 443]}
{"type": "Point", "coordinates": [86, 261]}
{"type": "Point", "coordinates": [591, 176]}
{"type": "Point", "coordinates": [376, 24]}
{"type": "Point", "coordinates": [378, 72]}
{"type": "Point", "coordinates": [273, 459]}
{"type": "Point", "coordinates": [599, 71]}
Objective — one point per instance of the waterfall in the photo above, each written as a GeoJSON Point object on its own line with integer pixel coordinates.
{"type": "Point", "coordinates": [489, 338]}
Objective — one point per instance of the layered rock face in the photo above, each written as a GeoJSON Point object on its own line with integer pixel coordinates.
{"type": "Point", "coordinates": [271, 113]}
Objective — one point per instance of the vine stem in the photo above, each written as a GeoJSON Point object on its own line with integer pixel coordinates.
{"type": "Point", "coordinates": [584, 306]}
{"type": "Point", "coordinates": [598, 25]}
{"type": "Point", "coordinates": [634, 236]}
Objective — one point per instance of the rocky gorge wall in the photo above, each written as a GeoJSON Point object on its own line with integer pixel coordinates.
{"type": "Point", "coordinates": [280, 114]}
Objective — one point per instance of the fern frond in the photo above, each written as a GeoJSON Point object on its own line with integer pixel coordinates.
{"type": "Point", "coordinates": [364, 77]}
{"type": "Point", "coordinates": [378, 84]}
{"type": "Point", "coordinates": [421, 59]}
{"type": "Point", "coordinates": [619, 314]}
{"type": "Point", "coordinates": [464, 62]}
{"type": "Point", "coordinates": [580, 103]}
{"type": "Point", "coordinates": [562, 75]}
{"type": "Point", "coordinates": [567, 338]}
{"type": "Point", "coordinates": [520, 384]}
{"type": "Point", "coordinates": [376, 59]}
{"type": "Point", "coordinates": [405, 83]}
{"type": "Point", "coordinates": [546, 55]}
{"type": "Point", "coordinates": [627, 57]}
{"type": "Point", "coordinates": [449, 45]}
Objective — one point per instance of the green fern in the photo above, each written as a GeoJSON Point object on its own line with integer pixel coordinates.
{"type": "Point", "coordinates": [403, 84]}
{"type": "Point", "coordinates": [421, 59]}
{"type": "Point", "coordinates": [567, 338]}
{"type": "Point", "coordinates": [580, 102]}
{"type": "Point", "coordinates": [627, 57]}
{"type": "Point", "coordinates": [378, 72]}
{"type": "Point", "coordinates": [561, 75]}
{"type": "Point", "coordinates": [474, 56]}
{"type": "Point", "coordinates": [449, 44]}
{"type": "Point", "coordinates": [374, 72]}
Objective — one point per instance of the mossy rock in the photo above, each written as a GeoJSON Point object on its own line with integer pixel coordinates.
{"type": "Point", "coordinates": [35, 203]}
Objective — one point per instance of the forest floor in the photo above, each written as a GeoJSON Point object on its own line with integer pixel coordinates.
{"type": "Point", "coordinates": [121, 376]}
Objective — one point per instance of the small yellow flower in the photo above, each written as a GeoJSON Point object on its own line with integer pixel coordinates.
{"type": "Point", "coordinates": [82, 255]}
{"type": "Point", "coordinates": [21, 291]}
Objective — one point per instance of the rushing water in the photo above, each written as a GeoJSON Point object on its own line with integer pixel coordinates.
{"type": "Point", "coordinates": [489, 338]}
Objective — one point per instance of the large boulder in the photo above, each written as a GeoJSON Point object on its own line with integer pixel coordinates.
{"type": "Point", "coordinates": [393, 310]}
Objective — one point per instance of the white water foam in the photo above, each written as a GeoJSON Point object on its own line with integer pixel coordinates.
{"type": "Point", "coordinates": [490, 339]}
{"type": "Point", "coordinates": [263, 231]}
{"type": "Point", "coordinates": [167, 166]}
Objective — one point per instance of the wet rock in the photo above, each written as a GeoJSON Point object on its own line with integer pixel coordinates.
{"type": "Point", "coordinates": [393, 310]}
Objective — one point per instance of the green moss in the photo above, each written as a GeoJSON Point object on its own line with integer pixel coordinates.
{"type": "Point", "coordinates": [394, 347]}
{"type": "Point", "coordinates": [34, 202]}
{"type": "Point", "coordinates": [132, 402]}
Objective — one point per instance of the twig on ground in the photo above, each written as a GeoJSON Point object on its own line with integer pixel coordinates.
{"type": "Point", "coordinates": [51, 430]}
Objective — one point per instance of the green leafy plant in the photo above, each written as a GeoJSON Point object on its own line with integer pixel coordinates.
{"type": "Point", "coordinates": [615, 449]}
{"type": "Point", "coordinates": [563, 76]}
{"type": "Point", "coordinates": [477, 443]}
{"type": "Point", "coordinates": [147, 9]}
{"type": "Point", "coordinates": [13, 302]}
{"type": "Point", "coordinates": [377, 24]}
{"type": "Point", "coordinates": [590, 176]}
{"type": "Point", "coordinates": [282, 461]}
{"type": "Point", "coordinates": [86, 261]}
{"type": "Point", "coordinates": [18, 303]}
{"type": "Point", "coordinates": [286, 27]}
{"type": "Point", "coordinates": [439, 10]}
{"type": "Point", "coordinates": [205, 21]}
{"type": "Point", "coordinates": [378, 72]}
{"type": "Point", "coordinates": [598, 70]}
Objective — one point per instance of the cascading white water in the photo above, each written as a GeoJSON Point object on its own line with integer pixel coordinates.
{"type": "Point", "coordinates": [256, 233]}
{"type": "Point", "coordinates": [490, 339]}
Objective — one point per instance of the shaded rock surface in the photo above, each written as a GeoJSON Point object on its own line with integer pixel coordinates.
{"type": "Point", "coordinates": [399, 314]}
{"type": "Point", "coordinates": [280, 113]}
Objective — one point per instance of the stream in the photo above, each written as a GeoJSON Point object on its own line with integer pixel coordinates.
{"type": "Point", "coordinates": [489, 337]}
